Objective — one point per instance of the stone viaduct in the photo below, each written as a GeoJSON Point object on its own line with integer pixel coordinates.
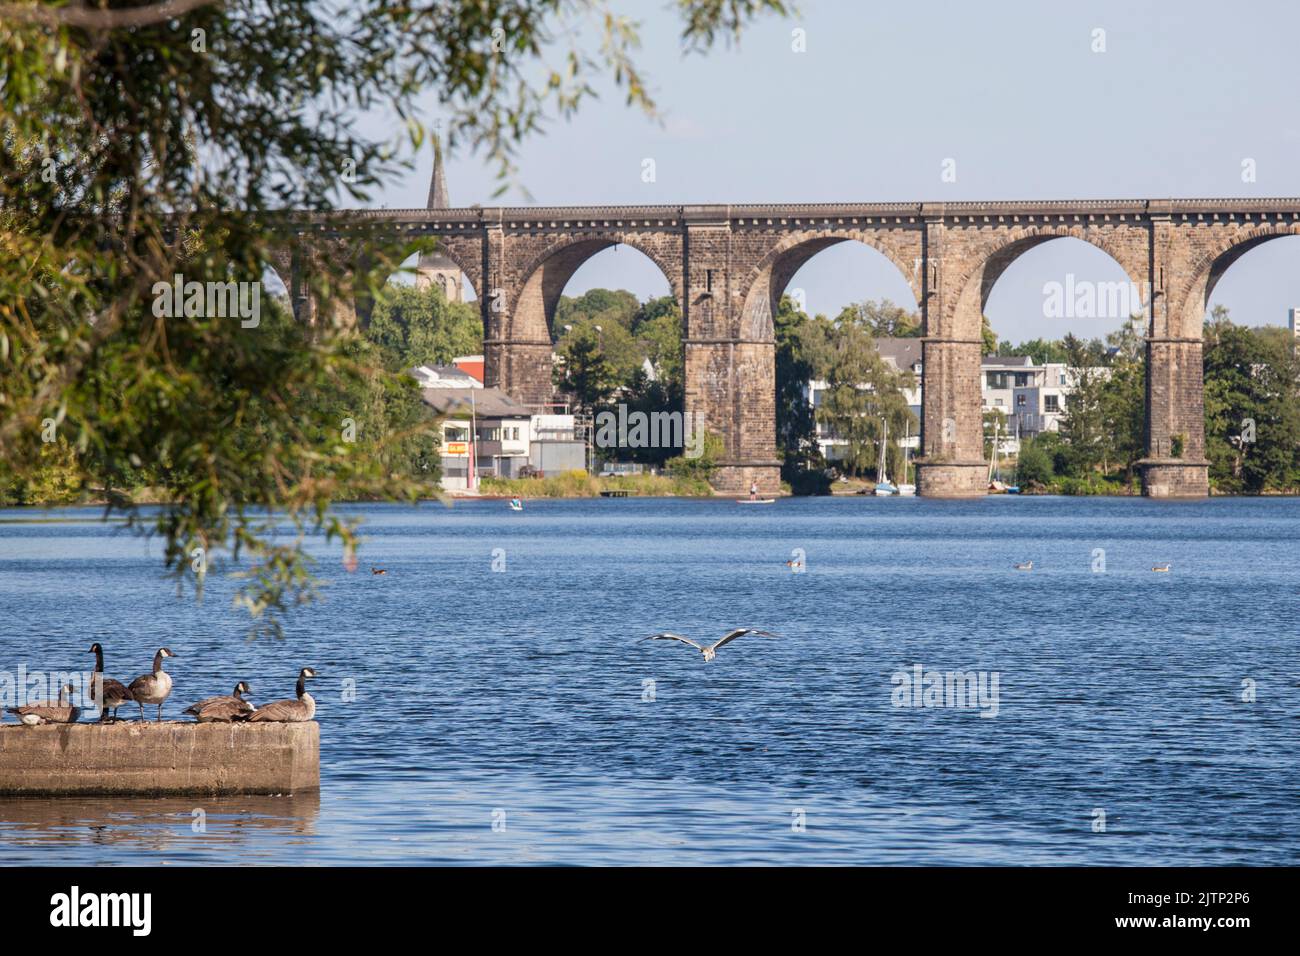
{"type": "Point", "coordinates": [728, 266]}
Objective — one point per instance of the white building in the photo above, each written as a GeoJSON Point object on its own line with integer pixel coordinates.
{"type": "Point", "coordinates": [487, 430]}
{"type": "Point", "coordinates": [444, 376]}
{"type": "Point", "coordinates": [1031, 397]}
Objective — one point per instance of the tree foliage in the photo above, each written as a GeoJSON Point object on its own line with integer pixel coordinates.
{"type": "Point", "coordinates": [140, 141]}
{"type": "Point", "coordinates": [418, 326]}
{"type": "Point", "coordinates": [863, 393]}
{"type": "Point", "coordinates": [1252, 407]}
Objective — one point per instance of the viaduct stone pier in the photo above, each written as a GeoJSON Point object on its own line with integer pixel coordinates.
{"type": "Point", "coordinates": [727, 266]}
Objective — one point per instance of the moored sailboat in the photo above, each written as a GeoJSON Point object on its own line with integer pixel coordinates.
{"type": "Point", "coordinates": [883, 486]}
{"type": "Point", "coordinates": [905, 488]}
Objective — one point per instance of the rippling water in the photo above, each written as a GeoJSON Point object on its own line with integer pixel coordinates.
{"type": "Point", "coordinates": [519, 697]}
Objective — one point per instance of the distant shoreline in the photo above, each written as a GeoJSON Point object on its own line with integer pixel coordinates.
{"type": "Point", "coordinates": [632, 487]}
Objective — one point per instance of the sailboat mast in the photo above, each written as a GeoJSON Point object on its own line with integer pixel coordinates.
{"type": "Point", "coordinates": [473, 442]}
{"type": "Point", "coordinates": [993, 458]}
{"type": "Point", "coordinates": [881, 476]}
{"type": "Point", "coordinates": [907, 437]}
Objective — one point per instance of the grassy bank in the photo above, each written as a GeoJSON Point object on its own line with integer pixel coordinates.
{"type": "Point", "coordinates": [579, 484]}
{"type": "Point", "coordinates": [1094, 484]}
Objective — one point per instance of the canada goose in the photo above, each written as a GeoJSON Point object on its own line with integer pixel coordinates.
{"type": "Point", "coordinates": [225, 708]}
{"type": "Point", "coordinates": [48, 713]}
{"type": "Point", "coordinates": [1161, 567]}
{"type": "Point", "coordinates": [304, 708]}
{"type": "Point", "coordinates": [1025, 566]}
{"type": "Point", "coordinates": [153, 688]}
{"type": "Point", "coordinates": [113, 693]}
{"type": "Point", "coordinates": [711, 651]}
{"type": "Point", "coordinates": [378, 570]}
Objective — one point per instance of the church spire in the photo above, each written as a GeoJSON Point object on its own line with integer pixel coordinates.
{"type": "Point", "coordinates": [434, 268]}
{"type": "Point", "coordinates": [438, 198]}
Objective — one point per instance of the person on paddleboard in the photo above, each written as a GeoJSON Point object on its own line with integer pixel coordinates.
{"type": "Point", "coordinates": [753, 491]}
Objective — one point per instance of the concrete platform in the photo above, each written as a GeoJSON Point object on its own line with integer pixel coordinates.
{"type": "Point", "coordinates": [173, 757]}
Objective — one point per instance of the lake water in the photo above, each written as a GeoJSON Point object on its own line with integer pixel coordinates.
{"type": "Point", "coordinates": [506, 716]}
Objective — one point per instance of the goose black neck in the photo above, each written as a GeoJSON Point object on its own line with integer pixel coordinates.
{"type": "Point", "coordinates": [302, 685]}
{"type": "Point", "coordinates": [157, 662]}
{"type": "Point", "coordinates": [99, 660]}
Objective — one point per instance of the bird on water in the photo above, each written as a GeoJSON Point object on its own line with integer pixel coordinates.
{"type": "Point", "coordinates": [113, 693]}
{"type": "Point", "coordinates": [711, 651]}
{"type": "Point", "coordinates": [153, 688]}
{"type": "Point", "coordinates": [1025, 566]}
{"type": "Point", "coordinates": [291, 711]}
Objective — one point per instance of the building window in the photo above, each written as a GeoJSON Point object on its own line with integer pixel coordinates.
{"type": "Point", "coordinates": [1020, 401]}
{"type": "Point", "coordinates": [1051, 403]}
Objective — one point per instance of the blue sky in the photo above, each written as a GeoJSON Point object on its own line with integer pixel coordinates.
{"type": "Point", "coordinates": [1012, 91]}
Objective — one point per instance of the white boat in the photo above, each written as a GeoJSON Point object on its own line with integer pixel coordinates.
{"type": "Point", "coordinates": [755, 501]}
{"type": "Point", "coordinates": [996, 484]}
{"type": "Point", "coordinates": [883, 487]}
{"type": "Point", "coordinates": [906, 490]}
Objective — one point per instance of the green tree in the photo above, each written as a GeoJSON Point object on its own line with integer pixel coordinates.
{"type": "Point", "coordinates": [796, 429]}
{"type": "Point", "coordinates": [651, 396]}
{"type": "Point", "coordinates": [883, 319]}
{"type": "Point", "coordinates": [606, 318]}
{"type": "Point", "coordinates": [1122, 399]}
{"type": "Point", "coordinates": [583, 371]}
{"type": "Point", "coordinates": [703, 466]}
{"type": "Point", "coordinates": [1042, 351]}
{"type": "Point", "coordinates": [1252, 417]}
{"type": "Point", "coordinates": [415, 326]}
{"type": "Point", "coordinates": [130, 152]}
{"type": "Point", "coordinates": [1083, 426]}
{"type": "Point", "coordinates": [988, 338]}
{"type": "Point", "coordinates": [863, 392]}
{"type": "Point", "coordinates": [1034, 464]}
{"type": "Point", "coordinates": [657, 325]}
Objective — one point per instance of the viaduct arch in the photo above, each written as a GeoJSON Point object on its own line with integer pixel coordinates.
{"type": "Point", "coordinates": [727, 266]}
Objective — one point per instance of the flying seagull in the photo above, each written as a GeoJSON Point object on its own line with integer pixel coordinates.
{"type": "Point", "coordinates": [711, 651]}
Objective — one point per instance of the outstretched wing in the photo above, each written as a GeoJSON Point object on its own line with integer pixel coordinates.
{"type": "Point", "coordinates": [667, 636]}
{"type": "Point", "coordinates": [741, 632]}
